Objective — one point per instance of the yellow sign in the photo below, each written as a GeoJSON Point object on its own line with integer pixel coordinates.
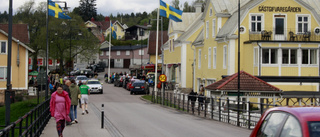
{"type": "Point", "coordinates": [162, 78]}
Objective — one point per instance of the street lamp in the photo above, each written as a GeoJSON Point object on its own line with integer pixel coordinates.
{"type": "Point", "coordinates": [238, 95]}
{"type": "Point", "coordinates": [141, 33]}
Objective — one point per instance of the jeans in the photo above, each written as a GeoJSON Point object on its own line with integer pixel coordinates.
{"type": "Point", "coordinates": [73, 112]}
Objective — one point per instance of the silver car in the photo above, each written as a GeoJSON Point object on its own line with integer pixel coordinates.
{"type": "Point", "coordinates": [95, 86]}
{"type": "Point", "coordinates": [82, 78]}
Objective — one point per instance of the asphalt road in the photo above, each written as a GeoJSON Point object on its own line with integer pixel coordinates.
{"type": "Point", "coordinates": [129, 116]}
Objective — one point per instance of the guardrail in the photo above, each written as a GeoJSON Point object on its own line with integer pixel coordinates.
{"type": "Point", "coordinates": [31, 124]}
{"type": "Point", "coordinates": [223, 110]}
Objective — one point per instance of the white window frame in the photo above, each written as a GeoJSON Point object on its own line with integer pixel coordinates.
{"type": "Point", "coordinates": [118, 53]}
{"type": "Point", "coordinates": [209, 57]}
{"type": "Point", "coordinates": [262, 22]}
{"type": "Point", "coordinates": [289, 56]}
{"type": "Point", "coordinates": [102, 53]}
{"type": "Point", "coordinates": [207, 29]}
{"type": "Point", "coordinates": [297, 22]}
{"type": "Point", "coordinates": [225, 56]}
{"type": "Point", "coordinates": [141, 52]}
{"type": "Point", "coordinates": [269, 63]}
{"type": "Point", "coordinates": [128, 52]}
{"type": "Point", "coordinates": [309, 57]}
{"type": "Point", "coordinates": [214, 28]}
{"type": "Point", "coordinates": [199, 59]}
{"type": "Point", "coordinates": [6, 46]}
{"type": "Point", "coordinates": [214, 60]}
{"type": "Point", "coordinates": [107, 53]}
{"type": "Point", "coordinates": [4, 73]}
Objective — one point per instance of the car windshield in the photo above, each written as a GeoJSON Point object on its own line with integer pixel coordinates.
{"type": "Point", "coordinates": [94, 82]}
{"type": "Point", "coordinates": [314, 128]}
{"type": "Point", "coordinates": [138, 84]}
{"type": "Point", "coordinates": [82, 78]}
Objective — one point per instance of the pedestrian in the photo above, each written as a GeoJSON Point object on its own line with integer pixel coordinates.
{"type": "Point", "coordinates": [65, 87]}
{"type": "Point", "coordinates": [60, 108]}
{"type": "Point", "coordinates": [192, 97]}
{"type": "Point", "coordinates": [201, 99]}
{"type": "Point", "coordinates": [75, 92]}
{"type": "Point", "coordinates": [85, 92]}
{"type": "Point", "coordinates": [61, 80]}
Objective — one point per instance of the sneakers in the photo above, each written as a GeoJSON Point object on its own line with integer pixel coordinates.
{"type": "Point", "coordinates": [87, 111]}
{"type": "Point", "coordinates": [82, 113]}
{"type": "Point", "coordinates": [73, 122]}
{"type": "Point", "coordinates": [76, 121]}
{"type": "Point", "coordinates": [69, 123]}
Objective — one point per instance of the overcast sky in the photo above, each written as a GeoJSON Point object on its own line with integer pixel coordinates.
{"type": "Point", "coordinates": [105, 7]}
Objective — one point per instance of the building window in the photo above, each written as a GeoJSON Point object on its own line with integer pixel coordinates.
{"type": "Point", "coordinates": [107, 53]}
{"type": "Point", "coordinates": [225, 57]}
{"type": "Point", "coordinates": [141, 52]}
{"type": "Point", "coordinates": [3, 73]}
{"type": "Point", "coordinates": [119, 37]}
{"type": "Point", "coordinates": [213, 27]}
{"type": "Point", "coordinates": [3, 49]}
{"type": "Point", "coordinates": [289, 56]}
{"type": "Point", "coordinates": [128, 52]}
{"type": "Point", "coordinates": [199, 59]}
{"type": "Point", "coordinates": [309, 56]}
{"type": "Point", "coordinates": [256, 23]}
{"type": "Point", "coordinates": [102, 53]}
{"type": "Point", "coordinates": [207, 29]}
{"type": "Point", "coordinates": [269, 56]}
{"type": "Point", "coordinates": [303, 24]}
{"type": "Point", "coordinates": [214, 58]}
{"type": "Point", "coordinates": [209, 58]}
{"type": "Point", "coordinates": [118, 53]}
{"type": "Point", "coordinates": [210, 12]}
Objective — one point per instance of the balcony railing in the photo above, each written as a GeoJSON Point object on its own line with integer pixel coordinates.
{"type": "Point", "coordinates": [291, 35]}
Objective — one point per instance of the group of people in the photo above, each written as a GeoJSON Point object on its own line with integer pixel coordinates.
{"type": "Point", "coordinates": [193, 98]}
{"type": "Point", "coordinates": [64, 102]}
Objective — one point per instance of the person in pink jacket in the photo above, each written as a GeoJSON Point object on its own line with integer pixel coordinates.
{"type": "Point", "coordinates": [60, 108]}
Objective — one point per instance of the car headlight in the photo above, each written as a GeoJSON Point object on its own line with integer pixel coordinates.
{"type": "Point", "coordinates": [100, 87]}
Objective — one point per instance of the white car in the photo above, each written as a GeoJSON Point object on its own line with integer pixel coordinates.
{"type": "Point", "coordinates": [95, 86]}
{"type": "Point", "coordinates": [82, 78]}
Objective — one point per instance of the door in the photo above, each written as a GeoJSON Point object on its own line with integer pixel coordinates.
{"type": "Point", "coordinates": [279, 26]}
{"type": "Point", "coordinates": [112, 63]}
{"type": "Point", "coordinates": [126, 63]}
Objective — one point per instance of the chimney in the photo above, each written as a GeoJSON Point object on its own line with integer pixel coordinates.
{"type": "Point", "coordinates": [92, 19]}
{"type": "Point", "coordinates": [107, 19]}
{"type": "Point", "coordinates": [198, 7]}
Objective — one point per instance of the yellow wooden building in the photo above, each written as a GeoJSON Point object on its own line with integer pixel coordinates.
{"type": "Point", "coordinates": [278, 39]}
{"type": "Point", "coordinates": [101, 29]}
{"type": "Point", "coordinates": [20, 54]}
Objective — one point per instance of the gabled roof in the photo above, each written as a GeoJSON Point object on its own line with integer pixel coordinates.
{"type": "Point", "coordinates": [200, 39]}
{"type": "Point", "coordinates": [197, 22]}
{"type": "Point", "coordinates": [127, 47]}
{"type": "Point", "coordinates": [136, 26]}
{"type": "Point", "coordinates": [104, 25]}
{"type": "Point", "coordinates": [152, 42]}
{"type": "Point", "coordinates": [19, 31]}
{"type": "Point", "coordinates": [247, 83]}
{"type": "Point", "coordinates": [188, 18]}
{"type": "Point", "coordinates": [18, 41]}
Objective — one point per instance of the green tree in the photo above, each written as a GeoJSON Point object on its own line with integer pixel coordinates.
{"type": "Point", "coordinates": [175, 4]}
{"type": "Point", "coordinates": [87, 9]}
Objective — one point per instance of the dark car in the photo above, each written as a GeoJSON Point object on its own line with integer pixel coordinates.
{"type": "Point", "coordinates": [289, 122]}
{"type": "Point", "coordinates": [87, 72]}
{"type": "Point", "coordinates": [138, 87]}
{"type": "Point", "coordinates": [118, 82]}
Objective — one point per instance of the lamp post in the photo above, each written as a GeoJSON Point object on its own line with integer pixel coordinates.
{"type": "Point", "coordinates": [141, 33]}
{"type": "Point", "coordinates": [238, 95]}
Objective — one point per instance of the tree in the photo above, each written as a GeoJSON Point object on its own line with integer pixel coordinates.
{"type": "Point", "coordinates": [187, 7]}
{"type": "Point", "coordinates": [87, 9]}
{"type": "Point", "coordinates": [175, 4]}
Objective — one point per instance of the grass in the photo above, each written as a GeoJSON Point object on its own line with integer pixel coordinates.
{"type": "Point", "coordinates": [17, 110]}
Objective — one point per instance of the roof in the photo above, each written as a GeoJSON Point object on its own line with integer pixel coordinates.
{"type": "Point", "coordinates": [117, 48]}
{"type": "Point", "coordinates": [18, 41]}
{"type": "Point", "coordinates": [103, 25]}
{"type": "Point", "coordinates": [188, 18]}
{"type": "Point", "coordinates": [19, 31]}
{"type": "Point", "coordinates": [247, 83]}
{"type": "Point", "coordinates": [152, 42]}
{"type": "Point", "coordinates": [137, 26]}
{"type": "Point", "coordinates": [200, 38]}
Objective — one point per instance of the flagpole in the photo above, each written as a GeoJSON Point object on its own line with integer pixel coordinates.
{"type": "Point", "coordinates": [47, 50]}
{"type": "Point", "coordinates": [157, 44]}
{"type": "Point", "coordinates": [109, 74]}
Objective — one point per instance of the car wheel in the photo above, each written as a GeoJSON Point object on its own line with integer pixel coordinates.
{"type": "Point", "coordinates": [101, 92]}
{"type": "Point", "coordinates": [131, 92]}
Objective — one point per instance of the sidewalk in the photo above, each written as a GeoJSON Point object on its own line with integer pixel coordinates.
{"type": "Point", "coordinates": [89, 126]}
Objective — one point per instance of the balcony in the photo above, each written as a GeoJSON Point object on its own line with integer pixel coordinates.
{"type": "Point", "coordinates": [286, 35]}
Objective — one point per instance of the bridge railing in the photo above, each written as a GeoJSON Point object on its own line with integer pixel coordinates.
{"type": "Point", "coordinates": [224, 110]}
{"type": "Point", "coordinates": [31, 124]}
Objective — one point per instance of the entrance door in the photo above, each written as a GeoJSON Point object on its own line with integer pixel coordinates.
{"type": "Point", "coordinates": [279, 32]}
{"type": "Point", "coordinates": [126, 63]}
{"type": "Point", "coordinates": [111, 63]}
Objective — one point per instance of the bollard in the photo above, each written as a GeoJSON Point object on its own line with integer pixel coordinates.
{"type": "Point", "coordinates": [102, 116]}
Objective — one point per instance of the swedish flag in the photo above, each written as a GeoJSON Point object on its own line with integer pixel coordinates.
{"type": "Point", "coordinates": [56, 11]}
{"type": "Point", "coordinates": [113, 32]}
{"type": "Point", "coordinates": [168, 11]}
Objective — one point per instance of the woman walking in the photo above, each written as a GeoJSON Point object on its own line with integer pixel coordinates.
{"type": "Point", "coordinates": [75, 92]}
{"type": "Point", "coordinates": [60, 108]}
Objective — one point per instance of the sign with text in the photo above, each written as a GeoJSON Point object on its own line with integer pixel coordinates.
{"type": "Point", "coordinates": [263, 8]}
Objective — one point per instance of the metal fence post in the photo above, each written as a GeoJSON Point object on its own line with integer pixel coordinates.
{"type": "Point", "coordinates": [174, 100]}
{"type": "Point", "coordinates": [249, 116]}
{"type": "Point", "coordinates": [205, 107]}
{"type": "Point", "coordinates": [170, 99]}
{"type": "Point", "coordinates": [167, 98]}
{"type": "Point", "coordinates": [219, 109]}
{"type": "Point", "coordinates": [228, 110]}
{"type": "Point", "coordinates": [261, 108]}
{"type": "Point", "coordinates": [183, 102]}
{"type": "Point", "coordinates": [102, 115]}
{"type": "Point", "coordinates": [188, 101]}
{"type": "Point", "coordinates": [212, 107]}
{"type": "Point", "coordinates": [179, 98]}
{"type": "Point", "coordinates": [198, 105]}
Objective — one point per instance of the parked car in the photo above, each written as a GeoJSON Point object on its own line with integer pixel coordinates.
{"type": "Point", "coordinates": [130, 83]}
{"type": "Point", "coordinates": [82, 78]}
{"type": "Point", "coordinates": [138, 87]}
{"type": "Point", "coordinates": [119, 81]}
{"type": "Point", "coordinates": [87, 72]}
{"type": "Point", "coordinates": [95, 86]}
{"type": "Point", "coordinates": [289, 122]}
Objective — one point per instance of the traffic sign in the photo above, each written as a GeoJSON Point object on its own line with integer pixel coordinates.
{"type": "Point", "coordinates": [162, 78]}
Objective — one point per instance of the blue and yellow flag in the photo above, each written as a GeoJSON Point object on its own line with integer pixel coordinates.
{"type": "Point", "coordinates": [56, 11]}
{"type": "Point", "coordinates": [113, 32]}
{"type": "Point", "coordinates": [168, 11]}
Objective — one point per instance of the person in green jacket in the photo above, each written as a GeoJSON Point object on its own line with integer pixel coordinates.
{"type": "Point", "coordinates": [85, 92]}
{"type": "Point", "coordinates": [75, 92]}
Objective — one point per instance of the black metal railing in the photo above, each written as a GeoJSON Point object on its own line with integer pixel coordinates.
{"type": "Point", "coordinates": [223, 110]}
{"type": "Point", "coordinates": [287, 34]}
{"type": "Point", "coordinates": [31, 124]}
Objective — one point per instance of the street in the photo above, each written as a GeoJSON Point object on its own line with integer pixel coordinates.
{"type": "Point", "coordinates": [128, 115]}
